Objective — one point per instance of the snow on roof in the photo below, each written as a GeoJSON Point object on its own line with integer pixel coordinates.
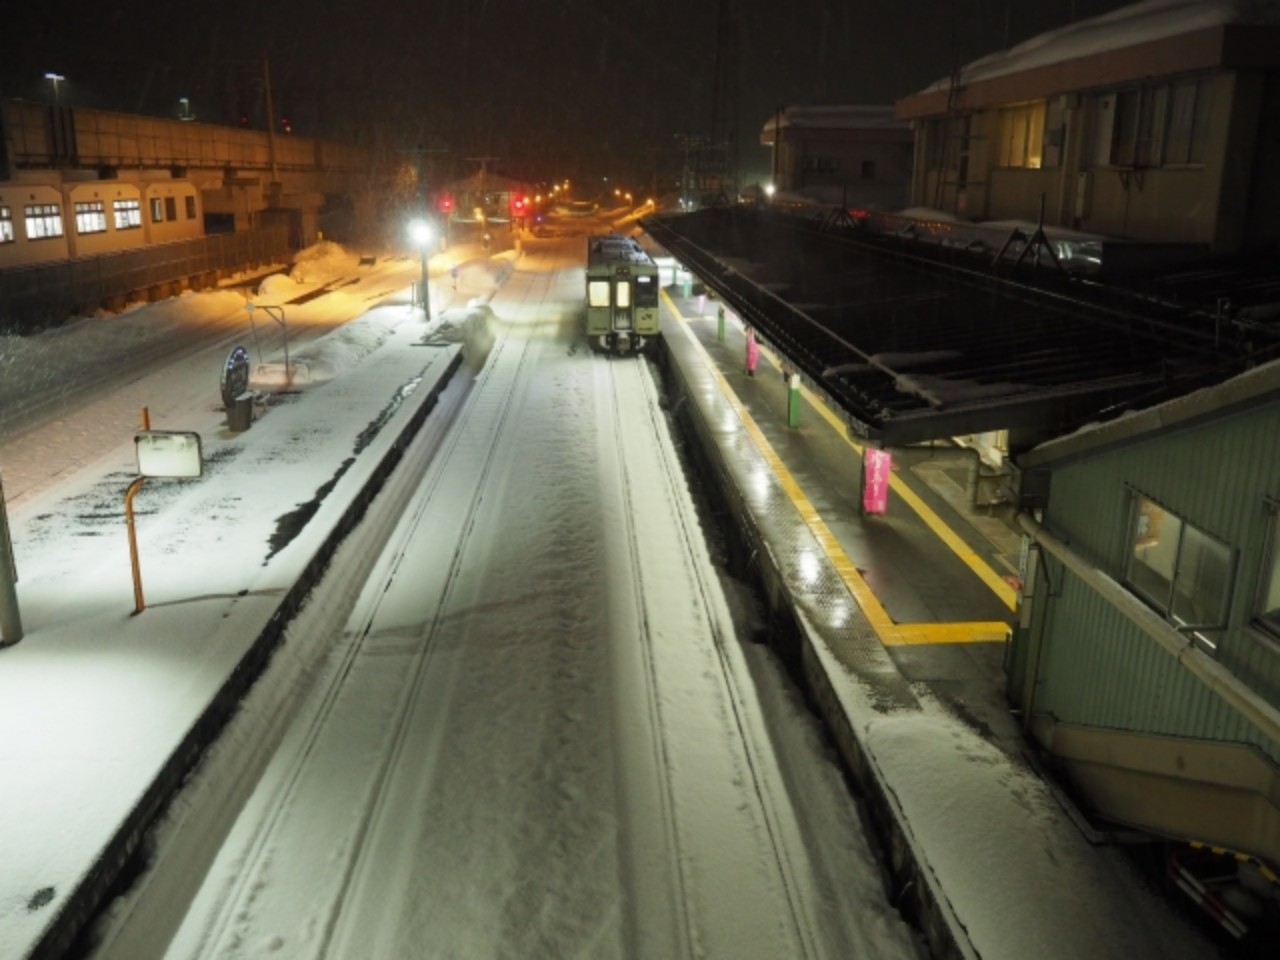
{"type": "Point", "coordinates": [853, 117]}
{"type": "Point", "coordinates": [1127, 27]}
{"type": "Point", "coordinates": [1262, 383]}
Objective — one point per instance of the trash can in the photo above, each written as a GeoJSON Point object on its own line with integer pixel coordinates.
{"type": "Point", "coordinates": [240, 413]}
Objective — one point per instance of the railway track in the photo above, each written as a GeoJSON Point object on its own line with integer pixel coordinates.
{"type": "Point", "coordinates": [534, 732]}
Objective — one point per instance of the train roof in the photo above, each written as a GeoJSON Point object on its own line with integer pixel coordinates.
{"type": "Point", "coordinates": [613, 248]}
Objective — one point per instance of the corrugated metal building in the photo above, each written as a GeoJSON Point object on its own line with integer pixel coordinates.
{"type": "Point", "coordinates": [1147, 658]}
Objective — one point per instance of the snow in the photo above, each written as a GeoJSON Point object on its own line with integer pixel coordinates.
{"type": "Point", "coordinates": [1129, 26]}
{"type": "Point", "coordinates": [593, 765]}
{"type": "Point", "coordinates": [541, 811]}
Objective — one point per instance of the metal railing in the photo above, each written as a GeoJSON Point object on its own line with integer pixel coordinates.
{"type": "Point", "coordinates": [47, 294]}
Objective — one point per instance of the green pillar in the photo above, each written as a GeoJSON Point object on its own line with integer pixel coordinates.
{"type": "Point", "coordinates": [793, 400]}
{"type": "Point", "coordinates": [720, 323]}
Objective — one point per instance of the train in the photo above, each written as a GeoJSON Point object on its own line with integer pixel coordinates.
{"type": "Point", "coordinates": [622, 295]}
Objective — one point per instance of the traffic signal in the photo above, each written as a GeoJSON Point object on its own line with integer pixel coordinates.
{"type": "Point", "coordinates": [446, 203]}
{"type": "Point", "coordinates": [518, 204]}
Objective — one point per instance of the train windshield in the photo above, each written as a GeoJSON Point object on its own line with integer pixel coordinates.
{"type": "Point", "coordinates": [646, 292]}
{"type": "Point", "coordinates": [622, 293]}
{"type": "Point", "coordinates": [598, 293]}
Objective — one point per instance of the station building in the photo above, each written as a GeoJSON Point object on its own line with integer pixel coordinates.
{"type": "Point", "coordinates": [1159, 122]}
{"type": "Point", "coordinates": [856, 155]}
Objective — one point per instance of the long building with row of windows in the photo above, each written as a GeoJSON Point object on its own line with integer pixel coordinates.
{"type": "Point", "coordinates": [81, 183]}
{"type": "Point", "coordinates": [40, 222]}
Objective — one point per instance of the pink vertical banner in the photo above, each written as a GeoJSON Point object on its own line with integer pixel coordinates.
{"type": "Point", "coordinates": [875, 487]}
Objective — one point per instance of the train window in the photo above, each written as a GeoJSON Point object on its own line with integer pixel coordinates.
{"type": "Point", "coordinates": [646, 292]}
{"type": "Point", "coordinates": [622, 294]}
{"type": "Point", "coordinates": [6, 225]}
{"type": "Point", "coordinates": [598, 293]}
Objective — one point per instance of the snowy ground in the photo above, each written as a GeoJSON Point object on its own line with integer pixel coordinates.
{"type": "Point", "coordinates": [533, 733]}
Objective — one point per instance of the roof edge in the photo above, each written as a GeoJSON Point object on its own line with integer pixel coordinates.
{"type": "Point", "coordinates": [1252, 388]}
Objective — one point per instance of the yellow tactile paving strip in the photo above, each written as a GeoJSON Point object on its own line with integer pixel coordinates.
{"type": "Point", "coordinates": [889, 632]}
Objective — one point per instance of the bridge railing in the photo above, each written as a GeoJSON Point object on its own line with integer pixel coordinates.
{"type": "Point", "coordinates": [43, 295]}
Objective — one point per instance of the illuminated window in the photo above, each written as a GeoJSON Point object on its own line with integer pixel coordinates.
{"type": "Point", "coordinates": [91, 216]}
{"type": "Point", "coordinates": [1021, 136]}
{"type": "Point", "coordinates": [43, 220]}
{"type": "Point", "coordinates": [157, 210]}
{"type": "Point", "coordinates": [1268, 612]}
{"type": "Point", "coordinates": [1179, 569]}
{"type": "Point", "coordinates": [622, 293]}
{"type": "Point", "coordinates": [128, 214]}
{"type": "Point", "coordinates": [598, 293]}
{"type": "Point", "coordinates": [6, 225]}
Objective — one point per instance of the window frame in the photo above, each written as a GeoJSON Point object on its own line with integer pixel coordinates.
{"type": "Point", "coordinates": [91, 216]}
{"type": "Point", "coordinates": [8, 232]}
{"type": "Point", "coordinates": [597, 286]}
{"type": "Point", "coordinates": [128, 213]}
{"type": "Point", "coordinates": [1262, 619]}
{"type": "Point", "coordinates": [1152, 125]}
{"type": "Point", "coordinates": [47, 214]}
{"type": "Point", "coordinates": [1022, 132]}
{"type": "Point", "coordinates": [1167, 606]}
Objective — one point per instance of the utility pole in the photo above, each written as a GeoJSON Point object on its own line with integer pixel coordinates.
{"type": "Point", "coordinates": [425, 244]}
{"type": "Point", "coordinates": [271, 121]}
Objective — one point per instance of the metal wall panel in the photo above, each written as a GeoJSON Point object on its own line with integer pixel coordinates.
{"type": "Point", "coordinates": [1098, 668]}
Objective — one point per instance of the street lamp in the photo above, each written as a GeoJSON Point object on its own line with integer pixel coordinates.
{"type": "Point", "coordinates": [420, 234]}
{"type": "Point", "coordinates": [57, 78]}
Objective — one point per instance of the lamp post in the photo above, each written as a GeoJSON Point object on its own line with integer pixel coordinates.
{"type": "Point", "coordinates": [57, 78]}
{"type": "Point", "coordinates": [420, 232]}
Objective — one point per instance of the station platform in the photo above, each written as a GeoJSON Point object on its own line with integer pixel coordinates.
{"type": "Point", "coordinates": [903, 620]}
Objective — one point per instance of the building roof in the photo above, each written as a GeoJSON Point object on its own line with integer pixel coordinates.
{"type": "Point", "coordinates": [916, 343]}
{"type": "Point", "coordinates": [1257, 386]}
{"type": "Point", "coordinates": [835, 117]}
{"type": "Point", "coordinates": [1153, 38]}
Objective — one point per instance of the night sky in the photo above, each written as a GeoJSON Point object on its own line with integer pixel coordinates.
{"type": "Point", "coordinates": [549, 87]}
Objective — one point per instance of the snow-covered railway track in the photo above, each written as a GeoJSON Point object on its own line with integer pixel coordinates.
{"type": "Point", "coordinates": [247, 901]}
{"type": "Point", "coordinates": [653, 486]}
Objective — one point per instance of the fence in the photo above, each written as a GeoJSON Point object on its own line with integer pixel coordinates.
{"type": "Point", "coordinates": [48, 294]}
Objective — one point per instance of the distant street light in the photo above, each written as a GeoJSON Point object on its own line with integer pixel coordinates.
{"type": "Point", "coordinates": [420, 233]}
{"type": "Point", "coordinates": [57, 78]}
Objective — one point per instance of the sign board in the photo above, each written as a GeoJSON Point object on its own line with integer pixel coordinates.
{"type": "Point", "coordinates": [235, 376]}
{"type": "Point", "coordinates": [875, 489]}
{"type": "Point", "coordinates": [168, 453]}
